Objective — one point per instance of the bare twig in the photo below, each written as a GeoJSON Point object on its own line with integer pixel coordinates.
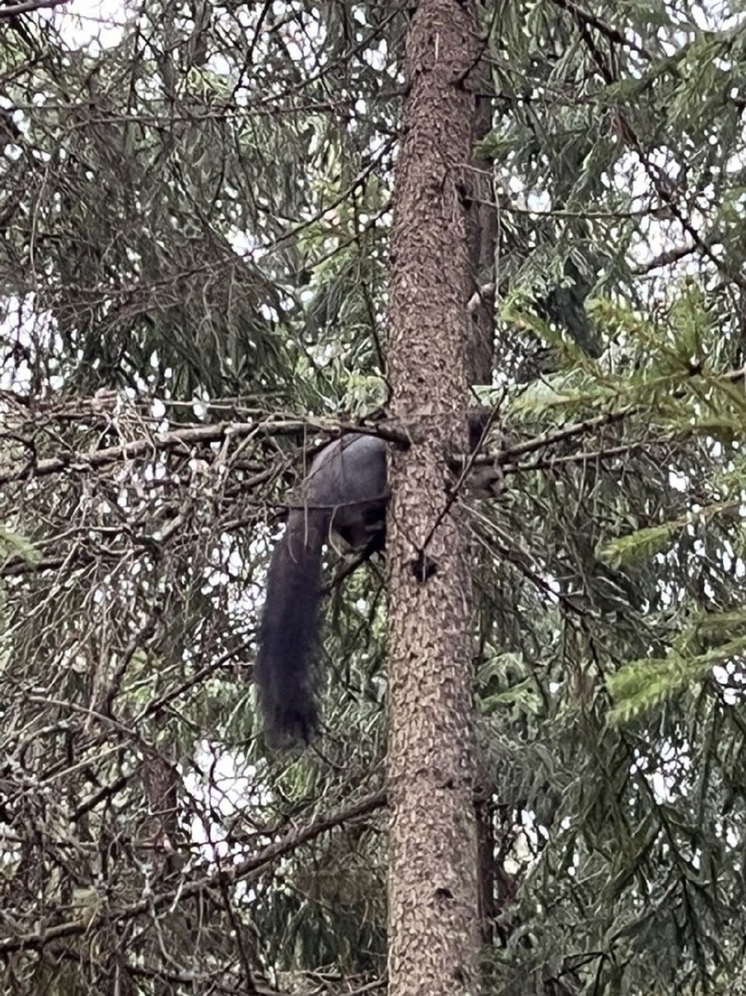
{"type": "Point", "coordinates": [29, 5]}
{"type": "Point", "coordinates": [244, 870]}
{"type": "Point", "coordinates": [183, 440]}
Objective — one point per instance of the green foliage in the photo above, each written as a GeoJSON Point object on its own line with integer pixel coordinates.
{"type": "Point", "coordinates": [15, 545]}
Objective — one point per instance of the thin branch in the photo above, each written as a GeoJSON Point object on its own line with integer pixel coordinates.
{"type": "Point", "coordinates": [184, 440]}
{"type": "Point", "coordinates": [659, 181]}
{"type": "Point", "coordinates": [664, 259]}
{"type": "Point", "coordinates": [241, 871]}
{"type": "Point", "coordinates": [614, 35]}
{"type": "Point", "coordinates": [28, 5]}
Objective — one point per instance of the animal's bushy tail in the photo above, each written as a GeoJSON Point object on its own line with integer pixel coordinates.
{"type": "Point", "coordinates": [286, 667]}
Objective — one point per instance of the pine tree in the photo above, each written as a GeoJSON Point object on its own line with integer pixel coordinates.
{"type": "Point", "coordinates": [195, 211]}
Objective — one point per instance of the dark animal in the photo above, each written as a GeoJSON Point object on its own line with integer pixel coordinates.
{"type": "Point", "coordinates": [343, 494]}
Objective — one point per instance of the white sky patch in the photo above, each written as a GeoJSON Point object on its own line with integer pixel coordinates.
{"type": "Point", "coordinates": [228, 788]}
{"type": "Point", "coordinates": [732, 678]}
{"type": "Point", "coordinates": [93, 24]}
{"type": "Point", "coordinates": [21, 325]}
{"type": "Point", "coordinates": [717, 15]}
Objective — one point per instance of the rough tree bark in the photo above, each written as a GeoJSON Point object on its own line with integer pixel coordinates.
{"type": "Point", "coordinates": [482, 243]}
{"type": "Point", "coordinates": [433, 920]}
{"type": "Point", "coordinates": [482, 237]}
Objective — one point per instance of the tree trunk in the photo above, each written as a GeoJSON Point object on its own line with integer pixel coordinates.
{"type": "Point", "coordinates": [433, 918]}
{"type": "Point", "coordinates": [482, 238]}
{"type": "Point", "coordinates": [482, 243]}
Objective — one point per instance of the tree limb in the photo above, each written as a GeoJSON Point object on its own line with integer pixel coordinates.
{"type": "Point", "coordinates": [28, 5]}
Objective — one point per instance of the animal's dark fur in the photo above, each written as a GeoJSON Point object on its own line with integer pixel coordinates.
{"type": "Point", "coordinates": [344, 492]}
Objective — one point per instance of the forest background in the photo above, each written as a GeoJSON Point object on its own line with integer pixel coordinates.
{"type": "Point", "coordinates": [195, 205]}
